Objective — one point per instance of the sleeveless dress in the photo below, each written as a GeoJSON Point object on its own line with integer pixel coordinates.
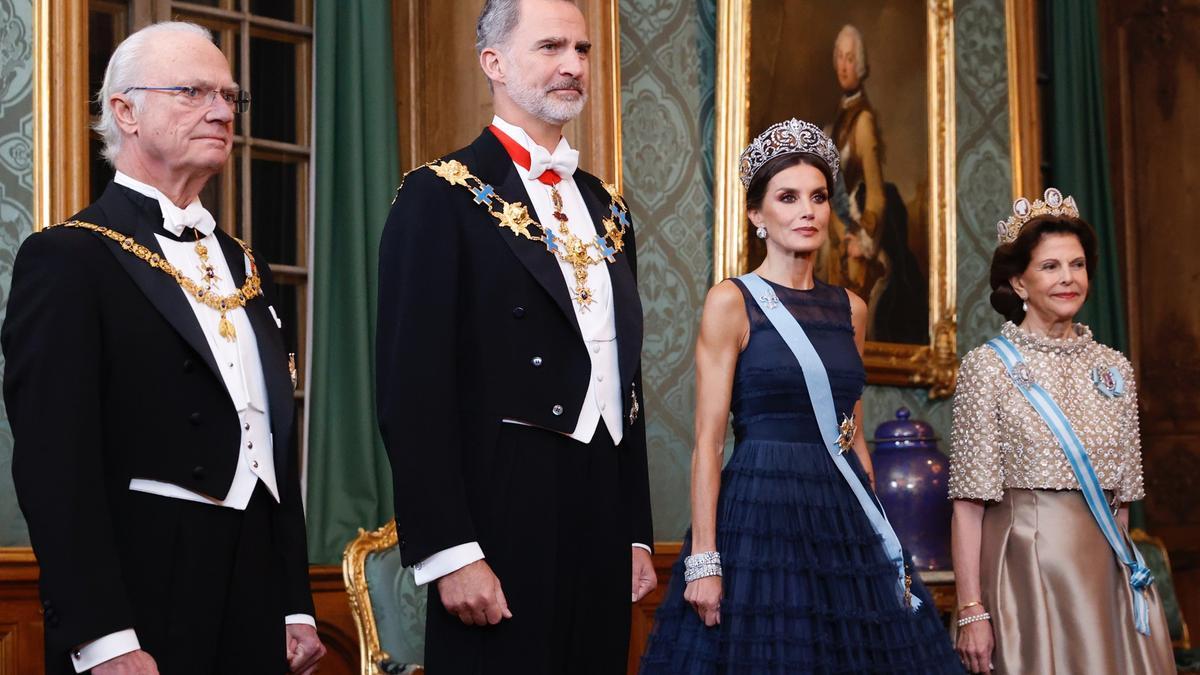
{"type": "Point", "coordinates": [807, 586]}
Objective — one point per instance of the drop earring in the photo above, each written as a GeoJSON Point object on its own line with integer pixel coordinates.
{"type": "Point", "coordinates": [761, 232]}
{"type": "Point", "coordinates": [1024, 306]}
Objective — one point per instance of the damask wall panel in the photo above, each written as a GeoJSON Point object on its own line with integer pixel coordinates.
{"type": "Point", "coordinates": [668, 72]}
{"type": "Point", "coordinates": [16, 207]}
{"type": "Point", "coordinates": [667, 55]}
{"type": "Point", "coordinates": [984, 161]}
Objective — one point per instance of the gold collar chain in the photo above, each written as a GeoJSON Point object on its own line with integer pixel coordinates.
{"type": "Point", "coordinates": [563, 244]}
{"type": "Point", "coordinates": [252, 287]}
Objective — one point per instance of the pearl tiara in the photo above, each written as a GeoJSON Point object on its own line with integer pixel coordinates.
{"type": "Point", "coordinates": [1052, 203]}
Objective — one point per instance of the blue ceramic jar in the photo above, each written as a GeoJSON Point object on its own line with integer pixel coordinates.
{"type": "Point", "coordinates": [911, 478]}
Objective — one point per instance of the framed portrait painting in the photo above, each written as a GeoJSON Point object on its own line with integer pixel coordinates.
{"type": "Point", "coordinates": [877, 76]}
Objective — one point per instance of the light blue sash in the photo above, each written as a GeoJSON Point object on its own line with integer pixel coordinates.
{"type": "Point", "coordinates": [819, 391]}
{"type": "Point", "coordinates": [1140, 577]}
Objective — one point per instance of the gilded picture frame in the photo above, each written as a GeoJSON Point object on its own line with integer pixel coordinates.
{"type": "Point", "coordinates": [933, 362]}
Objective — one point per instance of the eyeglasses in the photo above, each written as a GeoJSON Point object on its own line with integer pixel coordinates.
{"type": "Point", "coordinates": [195, 97]}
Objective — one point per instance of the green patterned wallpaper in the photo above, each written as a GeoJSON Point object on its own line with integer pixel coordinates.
{"type": "Point", "coordinates": [667, 69]}
{"type": "Point", "coordinates": [16, 206]}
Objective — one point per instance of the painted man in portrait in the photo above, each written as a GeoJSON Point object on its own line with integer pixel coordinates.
{"type": "Point", "coordinates": [872, 257]}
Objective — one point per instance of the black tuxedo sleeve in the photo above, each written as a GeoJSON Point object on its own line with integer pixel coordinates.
{"type": "Point", "coordinates": [53, 388]}
{"type": "Point", "coordinates": [289, 520]}
{"type": "Point", "coordinates": [293, 544]}
{"type": "Point", "coordinates": [416, 377]}
{"type": "Point", "coordinates": [635, 472]}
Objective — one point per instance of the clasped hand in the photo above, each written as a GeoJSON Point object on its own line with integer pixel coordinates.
{"type": "Point", "coordinates": [704, 595]}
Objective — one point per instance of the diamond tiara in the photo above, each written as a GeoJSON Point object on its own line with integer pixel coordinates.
{"type": "Point", "coordinates": [1052, 203]}
{"type": "Point", "coordinates": [785, 138]}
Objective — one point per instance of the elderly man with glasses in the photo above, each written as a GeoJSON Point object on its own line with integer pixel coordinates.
{"type": "Point", "coordinates": [151, 405]}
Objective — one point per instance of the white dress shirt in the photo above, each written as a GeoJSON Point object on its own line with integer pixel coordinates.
{"type": "Point", "coordinates": [597, 323]}
{"type": "Point", "coordinates": [241, 372]}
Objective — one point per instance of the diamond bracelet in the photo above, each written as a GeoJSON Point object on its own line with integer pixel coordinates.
{"type": "Point", "coordinates": [701, 565]}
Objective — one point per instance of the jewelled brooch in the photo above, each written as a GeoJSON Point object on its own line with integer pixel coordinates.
{"type": "Point", "coordinates": [1022, 376]}
{"type": "Point", "coordinates": [1109, 382]}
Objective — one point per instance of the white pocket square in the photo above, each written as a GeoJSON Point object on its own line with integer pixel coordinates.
{"type": "Point", "coordinates": [275, 316]}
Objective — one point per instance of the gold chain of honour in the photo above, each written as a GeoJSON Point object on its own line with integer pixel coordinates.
{"type": "Point", "coordinates": [252, 288]}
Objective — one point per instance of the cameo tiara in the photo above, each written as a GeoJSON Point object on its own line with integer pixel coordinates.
{"type": "Point", "coordinates": [1052, 203]}
{"type": "Point", "coordinates": [785, 138]}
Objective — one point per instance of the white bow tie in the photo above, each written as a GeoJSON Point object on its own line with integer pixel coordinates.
{"type": "Point", "coordinates": [563, 162]}
{"type": "Point", "coordinates": [195, 215]}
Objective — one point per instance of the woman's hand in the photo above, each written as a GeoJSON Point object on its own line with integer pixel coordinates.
{"type": "Point", "coordinates": [974, 644]}
{"type": "Point", "coordinates": [704, 595]}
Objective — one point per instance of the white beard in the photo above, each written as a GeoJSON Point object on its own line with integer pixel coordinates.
{"type": "Point", "coordinates": [543, 105]}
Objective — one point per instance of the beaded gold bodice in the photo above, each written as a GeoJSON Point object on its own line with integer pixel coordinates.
{"type": "Point", "coordinates": [999, 442]}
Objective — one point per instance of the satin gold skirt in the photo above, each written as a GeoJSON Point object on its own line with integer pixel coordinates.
{"type": "Point", "coordinates": [1060, 601]}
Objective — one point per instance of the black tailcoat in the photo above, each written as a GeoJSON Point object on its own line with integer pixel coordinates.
{"type": "Point", "coordinates": [465, 307]}
{"type": "Point", "coordinates": [108, 378]}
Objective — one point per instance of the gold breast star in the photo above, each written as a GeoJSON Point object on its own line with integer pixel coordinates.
{"type": "Point", "coordinates": [847, 429]}
{"type": "Point", "coordinates": [516, 218]}
{"type": "Point", "coordinates": [453, 172]}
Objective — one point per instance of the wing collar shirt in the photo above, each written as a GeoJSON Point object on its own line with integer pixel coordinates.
{"type": "Point", "coordinates": [602, 402]}
{"type": "Point", "coordinates": [241, 372]}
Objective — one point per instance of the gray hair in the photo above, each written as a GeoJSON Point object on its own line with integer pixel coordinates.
{"type": "Point", "coordinates": [860, 49]}
{"type": "Point", "coordinates": [124, 70]}
{"type": "Point", "coordinates": [496, 23]}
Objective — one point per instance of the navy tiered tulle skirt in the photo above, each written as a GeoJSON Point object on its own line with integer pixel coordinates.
{"type": "Point", "coordinates": [807, 587]}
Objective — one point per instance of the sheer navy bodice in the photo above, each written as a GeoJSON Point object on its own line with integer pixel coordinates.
{"type": "Point", "coordinates": [770, 399]}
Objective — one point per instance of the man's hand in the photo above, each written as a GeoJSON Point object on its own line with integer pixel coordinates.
{"type": "Point", "coordinates": [304, 648]}
{"type": "Point", "coordinates": [136, 662]}
{"type": "Point", "coordinates": [644, 578]}
{"type": "Point", "coordinates": [473, 594]}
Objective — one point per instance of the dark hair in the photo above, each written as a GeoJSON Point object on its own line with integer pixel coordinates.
{"type": "Point", "coordinates": [774, 166]}
{"type": "Point", "coordinates": [1011, 259]}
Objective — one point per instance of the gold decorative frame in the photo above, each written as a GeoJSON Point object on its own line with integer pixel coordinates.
{"type": "Point", "coordinates": [933, 365]}
{"type": "Point", "coordinates": [354, 572]}
{"type": "Point", "coordinates": [1024, 115]}
{"type": "Point", "coordinates": [60, 110]}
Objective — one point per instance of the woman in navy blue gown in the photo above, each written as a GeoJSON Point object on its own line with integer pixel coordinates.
{"type": "Point", "coordinates": [782, 571]}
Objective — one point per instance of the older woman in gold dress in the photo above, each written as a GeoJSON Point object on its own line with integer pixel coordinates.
{"type": "Point", "coordinates": [1043, 589]}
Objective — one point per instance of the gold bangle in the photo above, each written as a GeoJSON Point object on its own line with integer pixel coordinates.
{"type": "Point", "coordinates": [970, 605]}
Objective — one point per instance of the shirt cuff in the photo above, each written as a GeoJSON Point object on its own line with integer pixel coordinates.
{"type": "Point", "coordinates": [446, 561]}
{"type": "Point", "coordinates": [300, 618]}
{"type": "Point", "coordinates": [643, 546]}
{"type": "Point", "coordinates": [91, 654]}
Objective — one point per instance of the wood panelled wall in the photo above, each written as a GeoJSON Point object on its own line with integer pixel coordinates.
{"type": "Point", "coordinates": [1152, 64]}
{"type": "Point", "coordinates": [21, 645]}
{"type": "Point", "coordinates": [21, 642]}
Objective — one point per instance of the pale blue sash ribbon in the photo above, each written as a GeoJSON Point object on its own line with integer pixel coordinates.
{"type": "Point", "coordinates": [821, 395]}
{"type": "Point", "coordinates": [1140, 577]}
